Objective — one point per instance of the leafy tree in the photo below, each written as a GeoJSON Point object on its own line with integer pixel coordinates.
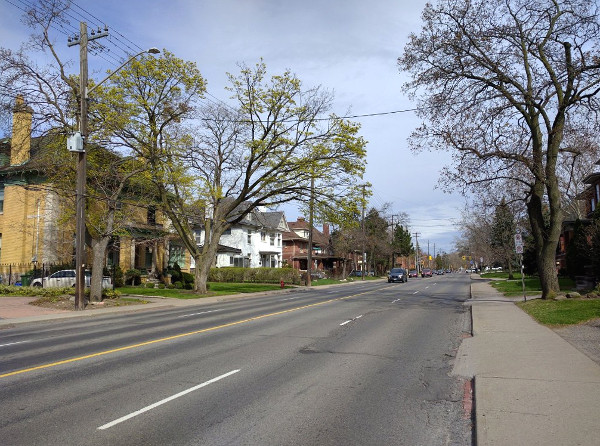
{"type": "Point", "coordinates": [402, 241]}
{"type": "Point", "coordinates": [500, 82]}
{"type": "Point", "coordinates": [261, 153]}
{"type": "Point", "coordinates": [378, 247]}
{"type": "Point", "coordinates": [54, 96]}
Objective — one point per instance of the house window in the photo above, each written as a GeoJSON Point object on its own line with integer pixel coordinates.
{"type": "Point", "coordinates": [198, 236]}
{"type": "Point", "coordinates": [272, 239]}
{"type": "Point", "coordinates": [151, 215]}
{"type": "Point", "coordinates": [1, 197]}
{"type": "Point", "coordinates": [593, 204]}
{"type": "Point", "coordinates": [227, 231]}
{"type": "Point", "coordinates": [263, 236]}
{"type": "Point", "coordinates": [249, 236]}
{"type": "Point", "coordinates": [278, 239]}
{"type": "Point", "coordinates": [236, 261]}
{"type": "Point", "coordinates": [597, 192]}
{"type": "Point", "coordinates": [176, 255]}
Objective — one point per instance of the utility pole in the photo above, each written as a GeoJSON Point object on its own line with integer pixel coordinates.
{"type": "Point", "coordinates": [80, 257]}
{"type": "Point", "coordinates": [311, 211]}
{"type": "Point", "coordinates": [393, 234]}
{"type": "Point", "coordinates": [364, 235]}
{"type": "Point", "coordinates": [416, 234]}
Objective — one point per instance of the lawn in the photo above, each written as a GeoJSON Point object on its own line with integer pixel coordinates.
{"type": "Point", "coordinates": [562, 312]}
{"type": "Point", "coordinates": [532, 286]}
{"type": "Point", "coordinates": [215, 289]}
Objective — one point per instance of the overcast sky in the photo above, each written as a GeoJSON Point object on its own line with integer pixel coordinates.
{"type": "Point", "coordinates": [347, 46]}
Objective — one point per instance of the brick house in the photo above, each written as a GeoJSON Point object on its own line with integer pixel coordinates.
{"type": "Point", "coordinates": [295, 248]}
{"type": "Point", "coordinates": [32, 230]}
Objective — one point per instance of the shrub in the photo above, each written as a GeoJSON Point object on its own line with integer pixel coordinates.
{"type": "Point", "coordinates": [133, 277]}
{"type": "Point", "coordinates": [260, 275]}
{"type": "Point", "coordinates": [118, 276]}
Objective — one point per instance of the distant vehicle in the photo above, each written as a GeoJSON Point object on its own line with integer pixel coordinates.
{"type": "Point", "coordinates": [426, 273]}
{"type": "Point", "coordinates": [413, 273]}
{"type": "Point", "coordinates": [397, 275]}
{"type": "Point", "coordinates": [65, 279]}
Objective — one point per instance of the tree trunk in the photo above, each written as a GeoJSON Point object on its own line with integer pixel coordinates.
{"type": "Point", "coordinates": [547, 270]}
{"type": "Point", "coordinates": [200, 276]}
{"type": "Point", "coordinates": [510, 271]}
{"type": "Point", "coordinates": [99, 247]}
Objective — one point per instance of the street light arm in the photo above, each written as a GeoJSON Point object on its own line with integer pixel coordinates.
{"type": "Point", "coordinates": [150, 51]}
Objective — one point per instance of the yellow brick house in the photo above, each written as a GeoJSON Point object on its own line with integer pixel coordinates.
{"type": "Point", "coordinates": [32, 232]}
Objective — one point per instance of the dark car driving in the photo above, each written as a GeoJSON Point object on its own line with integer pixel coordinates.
{"type": "Point", "coordinates": [397, 275]}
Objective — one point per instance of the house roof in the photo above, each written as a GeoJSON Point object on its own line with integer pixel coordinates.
{"type": "Point", "coordinates": [592, 178]}
{"type": "Point", "coordinates": [319, 238]}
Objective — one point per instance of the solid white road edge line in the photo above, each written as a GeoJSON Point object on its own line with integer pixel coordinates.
{"type": "Point", "coordinates": [166, 400]}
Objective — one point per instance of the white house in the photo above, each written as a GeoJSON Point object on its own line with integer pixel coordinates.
{"type": "Point", "coordinates": [254, 242]}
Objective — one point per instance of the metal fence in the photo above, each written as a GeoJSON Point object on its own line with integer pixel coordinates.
{"type": "Point", "coordinates": [21, 274]}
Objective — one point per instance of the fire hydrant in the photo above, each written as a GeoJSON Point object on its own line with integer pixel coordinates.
{"type": "Point", "coordinates": [282, 284]}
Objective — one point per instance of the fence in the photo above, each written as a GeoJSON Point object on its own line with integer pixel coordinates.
{"type": "Point", "coordinates": [23, 273]}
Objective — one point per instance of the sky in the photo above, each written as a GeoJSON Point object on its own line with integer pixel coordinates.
{"type": "Point", "coordinates": [349, 47]}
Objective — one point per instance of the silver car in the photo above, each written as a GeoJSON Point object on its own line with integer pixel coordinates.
{"type": "Point", "coordinates": [66, 279]}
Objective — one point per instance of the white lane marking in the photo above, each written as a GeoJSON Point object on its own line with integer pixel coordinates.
{"type": "Point", "coordinates": [196, 314]}
{"type": "Point", "coordinates": [350, 320]}
{"type": "Point", "coordinates": [416, 292]}
{"type": "Point", "coordinates": [166, 400]}
{"type": "Point", "coordinates": [427, 287]}
{"type": "Point", "coordinates": [13, 343]}
{"type": "Point", "coordinates": [291, 298]}
{"type": "Point", "coordinates": [395, 301]}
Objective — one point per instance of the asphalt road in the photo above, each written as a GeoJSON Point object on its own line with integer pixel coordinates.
{"type": "Point", "coordinates": [363, 364]}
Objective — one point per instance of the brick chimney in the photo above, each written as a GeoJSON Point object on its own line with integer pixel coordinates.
{"type": "Point", "coordinates": [326, 229]}
{"type": "Point", "coordinates": [21, 132]}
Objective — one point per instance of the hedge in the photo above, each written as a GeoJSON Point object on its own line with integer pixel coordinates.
{"type": "Point", "coordinates": [254, 275]}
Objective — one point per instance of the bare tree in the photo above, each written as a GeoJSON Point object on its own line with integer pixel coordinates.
{"type": "Point", "coordinates": [499, 82]}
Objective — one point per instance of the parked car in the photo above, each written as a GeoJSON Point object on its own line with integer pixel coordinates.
{"type": "Point", "coordinates": [426, 273]}
{"type": "Point", "coordinates": [397, 275]}
{"type": "Point", "coordinates": [355, 273]}
{"type": "Point", "coordinates": [413, 273]}
{"type": "Point", "coordinates": [66, 278]}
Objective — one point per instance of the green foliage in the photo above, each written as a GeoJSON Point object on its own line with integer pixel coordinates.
{"type": "Point", "coordinates": [254, 275]}
{"type": "Point", "coordinates": [11, 290]}
{"type": "Point", "coordinates": [118, 276]}
{"type": "Point", "coordinates": [180, 279]}
{"type": "Point", "coordinates": [133, 277]}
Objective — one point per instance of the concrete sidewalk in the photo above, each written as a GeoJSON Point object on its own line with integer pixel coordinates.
{"type": "Point", "coordinates": [531, 386]}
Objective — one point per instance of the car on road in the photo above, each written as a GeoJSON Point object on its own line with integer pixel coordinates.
{"type": "Point", "coordinates": [413, 273]}
{"type": "Point", "coordinates": [397, 275]}
{"type": "Point", "coordinates": [426, 273]}
{"type": "Point", "coordinates": [66, 278]}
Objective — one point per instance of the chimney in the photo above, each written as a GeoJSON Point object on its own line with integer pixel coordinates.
{"type": "Point", "coordinates": [21, 132]}
{"type": "Point", "coordinates": [326, 229]}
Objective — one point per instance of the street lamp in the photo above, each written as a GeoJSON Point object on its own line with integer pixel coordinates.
{"type": "Point", "coordinates": [77, 144]}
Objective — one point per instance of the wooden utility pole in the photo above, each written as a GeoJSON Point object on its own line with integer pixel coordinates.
{"type": "Point", "coordinates": [80, 257]}
{"type": "Point", "coordinates": [81, 173]}
{"type": "Point", "coordinates": [311, 212]}
{"type": "Point", "coordinates": [364, 236]}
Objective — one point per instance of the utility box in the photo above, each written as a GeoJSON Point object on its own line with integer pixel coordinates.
{"type": "Point", "coordinates": [75, 142]}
